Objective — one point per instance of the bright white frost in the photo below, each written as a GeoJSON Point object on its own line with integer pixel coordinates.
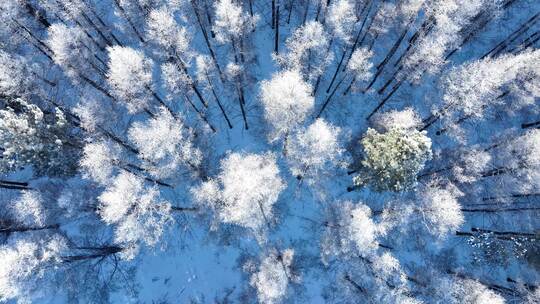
{"type": "Point", "coordinates": [450, 17]}
{"type": "Point", "coordinates": [380, 25]}
{"type": "Point", "coordinates": [70, 48]}
{"type": "Point", "coordinates": [306, 51]}
{"type": "Point", "coordinates": [311, 151]}
{"type": "Point", "coordinates": [165, 32]}
{"type": "Point", "coordinates": [350, 232]}
{"type": "Point", "coordinates": [341, 18]}
{"type": "Point", "coordinates": [272, 279]}
{"type": "Point", "coordinates": [405, 119]}
{"type": "Point", "coordinates": [470, 88]}
{"type": "Point", "coordinates": [287, 101]}
{"type": "Point", "coordinates": [130, 77]}
{"type": "Point", "coordinates": [136, 209]}
{"type": "Point", "coordinates": [175, 79]}
{"type": "Point", "coordinates": [13, 74]}
{"type": "Point", "coordinates": [164, 143]}
{"type": "Point", "coordinates": [518, 162]}
{"type": "Point", "coordinates": [439, 209]}
{"type": "Point", "coordinates": [24, 266]}
{"type": "Point", "coordinates": [470, 291]}
{"type": "Point", "coordinates": [362, 229]}
{"type": "Point", "coordinates": [245, 191]}
{"type": "Point", "coordinates": [360, 64]}
{"type": "Point", "coordinates": [231, 22]}
{"type": "Point", "coordinates": [28, 209]}
{"type": "Point", "coordinates": [99, 160]}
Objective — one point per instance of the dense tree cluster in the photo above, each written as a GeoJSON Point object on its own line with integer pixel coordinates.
{"type": "Point", "coordinates": [283, 151]}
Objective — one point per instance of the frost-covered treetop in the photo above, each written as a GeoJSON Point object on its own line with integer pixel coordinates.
{"type": "Point", "coordinates": [477, 84]}
{"type": "Point", "coordinates": [245, 191]}
{"type": "Point", "coordinates": [163, 30]}
{"type": "Point", "coordinates": [406, 119]}
{"type": "Point", "coordinates": [393, 159]}
{"type": "Point", "coordinates": [130, 76]}
{"type": "Point", "coordinates": [29, 137]}
{"type": "Point", "coordinates": [273, 277]}
{"type": "Point", "coordinates": [341, 18]}
{"type": "Point", "coordinates": [164, 143]}
{"type": "Point", "coordinates": [363, 231]}
{"type": "Point", "coordinates": [136, 210]}
{"type": "Point", "coordinates": [470, 291]}
{"type": "Point", "coordinates": [307, 43]}
{"type": "Point", "coordinates": [352, 232]}
{"type": "Point", "coordinates": [28, 209]}
{"type": "Point", "coordinates": [287, 101]}
{"type": "Point", "coordinates": [312, 150]}
{"type": "Point", "coordinates": [99, 160]}
{"type": "Point", "coordinates": [231, 21]}
{"type": "Point", "coordinates": [13, 75]}
{"type": "Point", "coordinates": [360, 64]}
{"type": "Point", "coordinates": [440, 209]}
{"type": "Point", "coordinates": [25, 266]}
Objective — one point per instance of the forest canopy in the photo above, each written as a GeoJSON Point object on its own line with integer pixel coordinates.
{"type": "Point", "coordinates": [281, 151]}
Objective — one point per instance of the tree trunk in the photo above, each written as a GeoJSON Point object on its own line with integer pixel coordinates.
{"type": "Point", "coordinates": [39, 16]}
{"type": "Point", "coordinates": [207, 40]}
{"type": "Point", "coordinates": [354, 284]}
{"type": "Point", "coordinates": [184, 209]}
{"type": "Point", "coordinates": [124, 14]}
{"type": "Point", "coordinates": [97, 252]}
{"type": "Point", "coordinates": [201, 115]}
{"type": "Point", "coordinates": [380, 66]}
{"type": "Point", "coordinates": [9, 230]}
{"type": "Point", "coordinates": [379, 106]}
{"type": "Point", "coordinates": [530, 124]}
{"type": "Point", "coordinates": [327, 101]}
{"type": "Point", "coordinates": [512, 37]}
{"type": "Point", "coordinates": [273, 13]}
{"type": "Point", "coordinates": [336, 72]}
{"type": "Point", "coordinates": [276, 38]}
{"type": "Point", "coordinates": [491, 210]}
{"type": "Point", "coordinates": [218, 101]}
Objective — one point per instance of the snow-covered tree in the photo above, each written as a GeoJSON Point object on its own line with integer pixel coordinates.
{"type": "Point", "coordinates": [450, 20]}
{"type": "Point", "coordinates": [307, 51]}
{"type": "Point", "coordinates": [14, 75]}
{"type": "Point", "coordinates": [470, 89]}
{"type": "Point", "coordinates": [380, 24]}
{"type": "Point", "coordinates": [99, 160]}
{"type": "Point", "coordinates": [439, 209]}
{"type": "Point", "coordinates": [470, 291]}
{"type": "Point", "coordinates": [287, 101]}
{"type": "Point", "coordinates": [139, 214]}
{"type": "Point", "coordinates": [130, 77]}
{"type": "Point", "coordinates": [28, 210]}
{"type": "Point", "coordinates": [246, 190]}
{"type": "Point", "coordinates": [341, 18]}
{"type": "Point", "coordinates": [313, 151]}
{"type": "Point", "coordinates": [29, 137]}
{"type": "Point", "coordinates": [72, 50]}
{"type": "Point", "coordinates": [405, 119]}
{"type": "Point", "coordinates": [273, 277]}
{"type": "Point", "coordinates": [231, 22]}
{"type": "Point", "coordinates": [393, 159]}
{"type": "Point", "coordinates": [27, 266]}
{"type": "Point", "coordinates": [350, 232]}
{"type": "Point", "coordinates": [517, 164]}
{"type": "Point", "coordinates": [170, 38]}
{"type": "Point", "coordinates": [360, 64]}
{"type": "Point", "coordinates": [164, 143]}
